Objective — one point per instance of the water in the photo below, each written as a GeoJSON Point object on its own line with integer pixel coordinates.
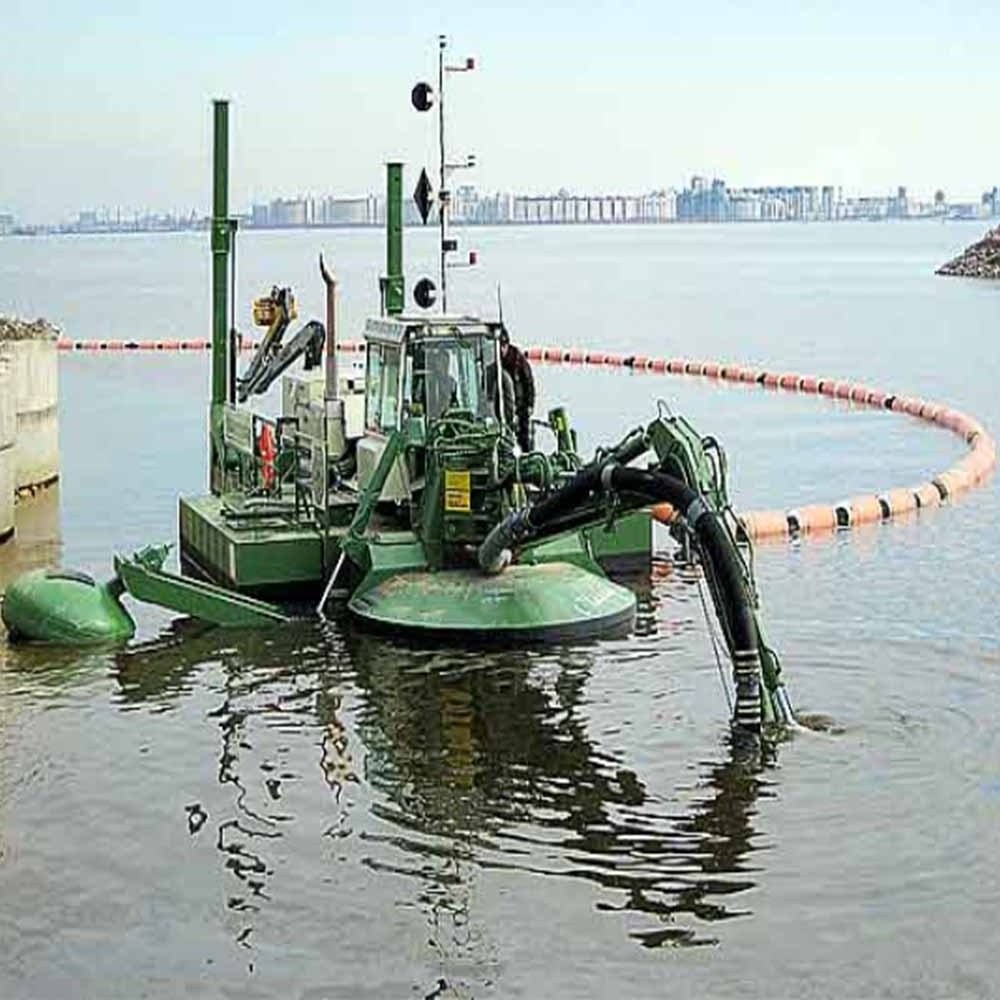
{"type": "Point", "coordinates": [317, 813]}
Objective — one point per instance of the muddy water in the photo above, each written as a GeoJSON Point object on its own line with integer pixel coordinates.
{"type": "Point", "coordinates": [312, 812]}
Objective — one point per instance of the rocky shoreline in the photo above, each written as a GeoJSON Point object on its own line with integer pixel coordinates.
{"type": "Point", "coordinates": [12, 328]}
{"type": "Point", "coordinates": [981, 260]}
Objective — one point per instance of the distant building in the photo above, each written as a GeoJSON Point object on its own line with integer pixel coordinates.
{"type": "Point", "coordinates": [659, 206]}
{"type": "Point", "coordinates": [345, 212]}
{"type": "Point", "coordinates": [829, 209]}
{"type": "Point", "coordinates": [287, 212]}
{"type": "Point", "coordinates": [704, 202]}
{"type": "Point", "coordinates": [899, 207]}
{"type": "Point", "coordinates": [7, 223]}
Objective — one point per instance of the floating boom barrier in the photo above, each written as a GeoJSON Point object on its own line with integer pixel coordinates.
{"type": "Point", "coordinates": [758, 525]}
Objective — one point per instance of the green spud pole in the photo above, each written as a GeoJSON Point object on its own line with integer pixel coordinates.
{"type": "Point", "coordinates": [220, 240]}
{"type": "Point", "coordinates": [395, 288]}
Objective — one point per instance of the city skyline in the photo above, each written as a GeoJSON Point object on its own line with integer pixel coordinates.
{"type": "Point", "coordinates": [112, 106]}
{"type": "Point", "coordinates": [703, 200]}
{"type": "Point", "coordinates": [246, 209]}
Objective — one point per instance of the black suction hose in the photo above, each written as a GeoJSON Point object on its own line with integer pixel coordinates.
{"type": "Point", "coordinates": [725, 569]}
{"type": "Point", "coordinates": [724, 564]}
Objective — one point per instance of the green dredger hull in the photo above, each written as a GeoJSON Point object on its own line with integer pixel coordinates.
{"type": "Point", "coordinates": [560, 593]}
{"type": "Point", "coordinates": [544, 601]}
{"type": "Point", "coordinates": [64, 607]}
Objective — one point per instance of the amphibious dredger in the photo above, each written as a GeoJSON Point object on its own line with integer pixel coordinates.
{"type": "Point", "coordinates": [404, 494]}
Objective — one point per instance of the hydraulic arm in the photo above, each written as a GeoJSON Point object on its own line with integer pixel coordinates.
{"type": "Point", "coordinates": [269, 363]}
{"type": "Point", "coordinates": [276, 311]}
{"type": "Point", "coordinates": [693, 483]}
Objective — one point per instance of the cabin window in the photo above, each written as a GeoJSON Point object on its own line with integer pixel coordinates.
{"type": "Point", "coordinates": [382, 388]}
{"type": "Point", "coordinates": [450, 374]}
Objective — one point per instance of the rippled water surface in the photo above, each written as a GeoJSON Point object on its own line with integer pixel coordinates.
{"type": "Point", "coordinates": [312, 812]}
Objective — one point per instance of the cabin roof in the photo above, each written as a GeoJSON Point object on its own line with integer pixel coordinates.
{"type": "Point", "coordinates": [392, 329]}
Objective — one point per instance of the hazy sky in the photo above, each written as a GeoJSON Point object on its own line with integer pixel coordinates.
{"type": "Point", "coordinates": [105, 104]}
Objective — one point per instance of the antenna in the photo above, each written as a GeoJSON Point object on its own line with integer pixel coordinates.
{"type": "Point", "coordinates": [422, 98]}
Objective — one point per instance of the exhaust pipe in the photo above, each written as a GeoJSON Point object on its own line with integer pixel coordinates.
{"type": "Point", "coordinates": [332, 390]}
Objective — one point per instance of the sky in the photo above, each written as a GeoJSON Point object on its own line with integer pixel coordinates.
{"type": "Point", "coordinates": [109, 104]}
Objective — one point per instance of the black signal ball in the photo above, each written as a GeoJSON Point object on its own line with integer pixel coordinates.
{"type": "Point", "coordinates": [422, 96]}
{"type": "Point", "coordinates": [424, 293]}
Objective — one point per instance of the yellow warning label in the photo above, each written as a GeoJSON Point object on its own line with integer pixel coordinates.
{"type": "Point", "coordinates": [457, 490]}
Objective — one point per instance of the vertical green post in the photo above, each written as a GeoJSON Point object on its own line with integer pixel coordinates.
{"type": "Point", "coordinates": [220, 241]}
{"type": "Point", "coordinates": [395, 291]}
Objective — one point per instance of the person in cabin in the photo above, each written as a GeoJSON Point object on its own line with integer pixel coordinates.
{"type": "Point", "coordinates": [441, 387]}
{"type": "Point", "coordinates": [516, 365]}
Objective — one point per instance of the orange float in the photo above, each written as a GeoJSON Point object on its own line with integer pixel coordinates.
{"type": "Point", "coordinates": [815, 517]}
{"type": "Point", "coordinates": [927, 495]}
{"type": "Point", "coordinates": [975, 466]}
{"type": "Point", "coordinates": [760, 524]}
{"type": "Point", "coordinates": [898, 501]}
{"type": "Point", "coordinates": [859, 510]}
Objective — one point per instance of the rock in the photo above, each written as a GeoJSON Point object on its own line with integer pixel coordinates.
{"type": "Point", "coordinates": [12, 328]}
{"type": "Point", "coordinates": [981, 260]}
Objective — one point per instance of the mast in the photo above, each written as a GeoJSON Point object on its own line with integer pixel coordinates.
{"type": "Point", "coordinates": [443, 193]}
{"type": "Point", "coordinates": [422, 98]}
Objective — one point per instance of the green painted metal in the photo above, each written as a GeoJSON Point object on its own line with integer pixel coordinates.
{"type": "Point", "coordinates": [684, 453]}
{"type": "Point", "coordinates": [389, 554]}
{"type": "Point", "coordinates": [220, 238]}
{"type": "Point", "coordinates": [276, 554]}
{"type": "Point", "coordinates": [395, 290]}
{"type": "Point", "coordinates": [250, 555]}
{"type": "Point", "coordinates": [565, 436]}
{"type": "Point", "coordinates": [354, 544]}
{"type": "Point", "coordinates": [65, 607]}
{"type": "Point", "coordinates": [432, 516]}
{"type": "Point", "coordinates": [627, 537]}
{"type": "Point", "coordinates": [570, 547]}
{"type": "Point", "coordinates": [220, 242]}
{"type": "Point", "coordinates": [544, 601]}
{"type": "Point", "coordinates": [146, 580]}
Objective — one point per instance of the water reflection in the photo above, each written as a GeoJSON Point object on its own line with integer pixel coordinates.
{"type": "Point", "coordinates": [488, 760]}
{"type": "Point", "coordinates": [155, 674]}
{"type": "Point", "coordinates": [37, 541]}
{"type": "Point", "coordinates": [255, 678]}
{"type": "Point", "coordinates": [441, 764]}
